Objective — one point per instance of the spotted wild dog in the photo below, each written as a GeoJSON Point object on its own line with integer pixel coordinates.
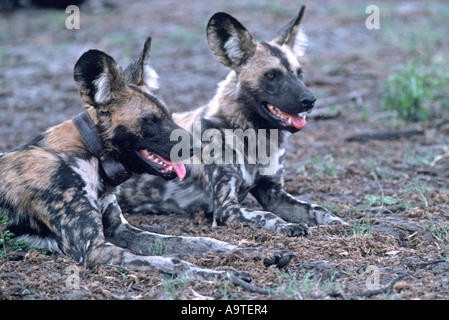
{"type": "Point", "coordinates": [58, 190]}
{"type": "Point", "coordinates": [264, 92]}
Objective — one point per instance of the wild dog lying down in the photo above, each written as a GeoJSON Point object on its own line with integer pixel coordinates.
{"type": "Point", "coordinates": [58, 190]}
{"type": "Point", "coordinates": [263, 92]}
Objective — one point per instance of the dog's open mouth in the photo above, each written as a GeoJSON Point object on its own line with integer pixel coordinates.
{"type": "Point", "coordinates": [298, 121]}
{"type": "Point", "coordinates": [164, 166]}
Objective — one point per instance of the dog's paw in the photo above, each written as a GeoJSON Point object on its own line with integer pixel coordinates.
{"type": "Point", "coordinates": [279, 259]}
{"type": "Point", "coordinates": [324, 216]}
{"type": "Point", "coordinates": [295, 230]}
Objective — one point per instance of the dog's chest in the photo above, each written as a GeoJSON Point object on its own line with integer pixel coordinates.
{"type": "Point", "coordinates": [87, 170]}
{"type": "Point", "coordinates": [250, 174]}
{"type": "Point", "coordinates": [99, 195]}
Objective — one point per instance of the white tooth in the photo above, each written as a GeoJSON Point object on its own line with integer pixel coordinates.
{"type": "Point", "coordinates": [289, 120]}
{"type": "Point", "coordinates": [145, 152]}
{"type": "Point", "coordinates": [170, 168]}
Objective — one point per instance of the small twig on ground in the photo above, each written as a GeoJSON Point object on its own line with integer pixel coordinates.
{"type": "Point", "coordinates": [324, 114]}
{"type": "Point", "coordinates": [384, 135]}
{"type": "Point", "coordinates": [382, 209]}
{"type": "Point", "coordinates": [121, 267]}
{"type": "Point", "coordinates": [426, 263]}
{"type": "Point", "coordinates": [385, 290]}
{"type": "Point", "coordinates": [439, 158]}
{"type": "Point", "coordinates": [246, 286]}
{"type": "Point", "coordinates": [355, 94]}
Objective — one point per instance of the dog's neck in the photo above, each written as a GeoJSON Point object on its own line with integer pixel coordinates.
{"type": "Point", "coordinates": [225, 105]}
{"type": "Point", "coordinates": [111, 170]}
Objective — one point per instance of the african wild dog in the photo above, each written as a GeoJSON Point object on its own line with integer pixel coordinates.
{"type": "Point", "coordinates": [58, 190]}
{"type": "Point", "coordinates": [264, 90]}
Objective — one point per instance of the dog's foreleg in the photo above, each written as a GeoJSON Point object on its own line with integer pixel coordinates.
{"type": "Point", "coordinates": [104, 253]}
{"type": "Point", "coordinates": [141, 242]}
{"type": "Point", "coordinates": [122, 234]}
{"type": "Point", "coordinates": [275, 199]}
{"type": "Point", "coordinates": [81, 236]}
{"type": "Point", "coordinates": [227, 209]}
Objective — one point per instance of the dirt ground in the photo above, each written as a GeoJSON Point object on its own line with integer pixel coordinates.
{"type": "Point", "coordinates": [393, 193]}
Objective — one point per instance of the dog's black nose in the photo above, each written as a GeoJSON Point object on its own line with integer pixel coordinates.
{"type": "Point", "coordinates": [307, 101]}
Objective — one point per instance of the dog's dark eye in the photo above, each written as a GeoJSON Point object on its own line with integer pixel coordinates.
{"type": "Point", "coordinates": [270, 75]}
{"type": "Point", "coordinates": [149, 118]}
{"type": "Point", "coordinates": [300, 72]}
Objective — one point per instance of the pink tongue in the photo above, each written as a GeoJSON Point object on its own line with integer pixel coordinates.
{"type": "Point", "coordinates": [180, 169]}
{"type": "Point", "coordinates": [298, 122]}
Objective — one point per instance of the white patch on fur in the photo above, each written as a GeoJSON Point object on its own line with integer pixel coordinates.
{"type": "Point", "coordinates": [248, 176]}
{"type": "Point", "coordinates": [87, 245]}
{"type": "Point", "coordinates": [106, 201]}
{"type": "Point", "coordinates": [232, 48]}
{"type": "Point", "coordinates": [150, 78]}
{"type": "Point", "coordinates": [104, 92]}
{"type": "Point", "coordinates": [232, 192]}
{"type": "Point", "coordinates": [300, 44]}
{"type": "Point", "coordinates": [261, 216]}
{"type": "Point", "coordinates": [228, 88]}
{"type": "Point", "coordinates": [88, 171]}
{"type": "Point", "coordinates": [281, 152]}
{"type": "Point", "coordinates": [292, 59]}
{"type": "Point", "coordinates": [122, 219]}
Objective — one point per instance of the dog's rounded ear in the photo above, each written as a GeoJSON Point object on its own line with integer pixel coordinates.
{"type": "Point", "coordinates": [139, 72]}
{"type": "Point", "coordinates": [98, 78]}
{"type": "Point", "coordinates": [292, 35]}
{"type": "Point", "coordinates": [231, 43]}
